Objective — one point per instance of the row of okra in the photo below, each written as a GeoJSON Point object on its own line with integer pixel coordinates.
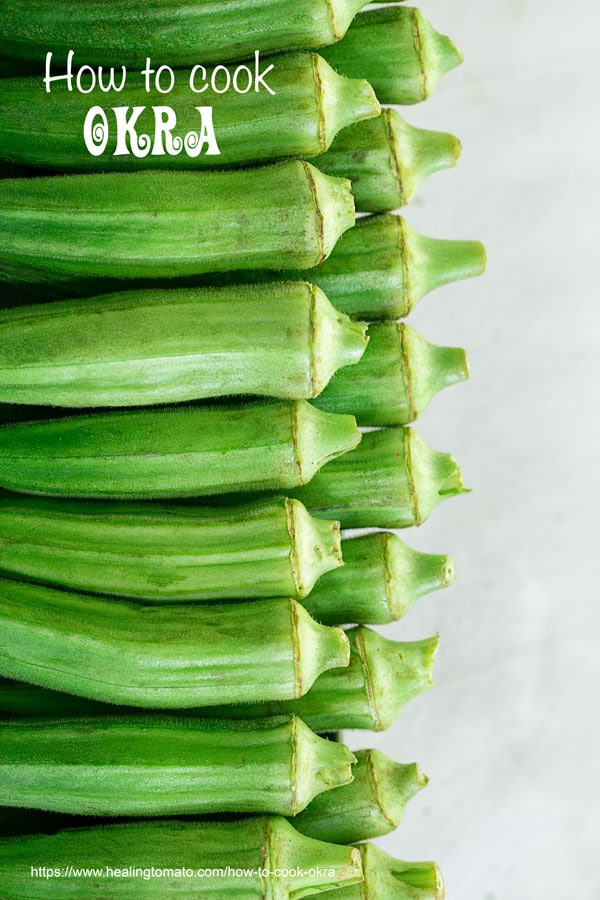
{"type": "Point", "coordinates": [188, 355]}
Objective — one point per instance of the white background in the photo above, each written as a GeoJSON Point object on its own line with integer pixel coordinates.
{"type": "Point", "coordinates": [510, 734]}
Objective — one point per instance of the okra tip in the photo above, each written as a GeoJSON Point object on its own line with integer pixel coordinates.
{"type": "Point", "coordinates": [411, 574]}
{"type": "Point", "coordinates": [317, 865]}
{"type": "Point", "coordinates": [395, 672]}
{"type": "Point", "coordinates": [318, 765]}
{"type": "Point", "coordinates": [337, 341]}
{"type": "Point", "coordinates": [429, 368]}
{"type": "Point", "coordinates": [396, 879]}
{"type": "Point", "coordinates": [418, 152]}
{"type": "Point", "coordinates": [316, 546]}
{"type": "Point", "coordinates": [434, 476]}
{"type": "Point", "coordinates": [342, 101]}
{"type": "Point", "coordinates": [320, 437]}
{"type": "Point", "coordinates": [430, 263]}
{"type": "Point", "coordinates": [394, 784]}
{"type": "Point", "coordinates": [334, 208]}
{"type": "Point", "coordinates": [317, 648]}
{"type": "Point", "coordinates": [438, 55]}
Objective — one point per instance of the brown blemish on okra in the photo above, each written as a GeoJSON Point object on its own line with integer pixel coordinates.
{"type": "Point", "coordinates": [395, 160]}
{"type": "Point", "coordinates": [320, 225]}
{"type": "Point", "coordinates": [359, 644]}
{"type": "Point", "coordinates": [412, 488]}
{"type": "Point", "coordinates": [407, 375]}
{"type": "Point", "coordinates": [291, 527]}
{"type": "Point", "coordinates": [294, 765]}
{"type": "Point", "coordinates": [314, 385]}
{"type": "Point", "coordinates": [419, 51]}
{"type": "Point", "coordinates": [298, 687]}
{"type": "Point", "coordinates": [322, 124]}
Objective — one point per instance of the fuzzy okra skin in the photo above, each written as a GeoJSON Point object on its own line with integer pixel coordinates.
{"type": "Point", "coordinates": [175, 452]}
{"type": "Point", "coordinates": [398, 51]}
{"type": "Point", "coordinates": [371, 806]}
{"type": "Point", "coordinates": [125, 33]}
{"type": "Point", "coordinates": [139, 348]}
{"type": "Point", "coordinates": [386, 160]}
{"type": "Point", "coordinates": [258, 857]}
{"type": "Point", "coordinates": [167, 224]}
{"type": "Point", "coordinates": [168, 553]}
{"type": "Point", "coordinates": [308, 105]}
{"type": "Point", "coordinates": [380, 580]}
{"type": "Point", "coordinates": [394, 879]}
{"type": "Point", "coordinates": [396, 379]}
{"type": "Point", "coordinates": [163, 656]}
{"type": "Point", "coordinates": [144, 766]}
{"type": "Point", "coordinates": [392, 480]}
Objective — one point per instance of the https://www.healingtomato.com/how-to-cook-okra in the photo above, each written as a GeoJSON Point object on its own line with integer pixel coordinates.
{"type": "Point", "coordinates": [205, 405]}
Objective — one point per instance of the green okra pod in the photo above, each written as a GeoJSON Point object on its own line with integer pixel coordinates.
{"type": "Point", "coordinates": [380, 580]}
{"type": "Point", "coordinates": [392, 480]}
{"type": "Point", "coordinates": [383, 676]}
{"type": "Point", "coordinates": [370, 806]}
{"type": "Point", "coordinates": [308, 105]}
{"type": "Point", "coordinates": [167, 553]}
{"type": "Point", "coordinates": [394, 879]}
{"type": "Point", "coordinates": [139, 348]}
{"type": "Point", "coordinates": [174, 452]}
{"type": "Point", "coordinates": [250, 859]}
{"type": "Point", "coordinates": [398, 51]}
{"type": "Point", "coordinates": [167, 224]}
{"type": "Point", "coordinates": [396, 379]}
{"type": "Point", "coordinates": [110, 33]}
{"type": "Point", "coordinates": [144, 766]}
{"type": "Point", "coordinates": [386, 159]}
{"type": "Point", "coordinates": [163, 656]}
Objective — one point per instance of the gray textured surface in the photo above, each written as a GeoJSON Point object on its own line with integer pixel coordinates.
{"type": "Point", "coordinates": [510, 734]}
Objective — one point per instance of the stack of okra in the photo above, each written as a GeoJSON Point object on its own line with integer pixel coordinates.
{"type": "Point", "coordinates": [189, 346]}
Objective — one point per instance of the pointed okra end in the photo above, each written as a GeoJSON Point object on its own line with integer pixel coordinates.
{"type": "Point", "coordinates": [411, 574]}
{"type": "Point", "coordinates": [428, 368]}
{"type": "Point", "coordinates": [394, 785]}
{"type": "Point", "coordinates": [430, 263]}
{"type": "Point", "coordinates": [433, 476]}
{"type": "Point", "coordinates": [334, 208]}
{"type": "Point", "coordinates": [320, 437]}
{"type": "Point", "coordinates": [395, 879]}
{"type": "Point", "coordinates": [317, 648]}
{"type": "Point", "coordinates": [316, 546]}
{"type": "Point", "coordinates": [341, 101]}
{"type": "Point", "coordinates": [418, 153]}
{"type": "Point", "coordinates": [395, 672]}
{"type": "Point", "coordinates": [438, 55]}
{"type": "Point", "coordinates": [318, 765]}
{"type": "Point", "coordinates": [311, 866]}
{"type": "Point", "coordinates": [336, 341]}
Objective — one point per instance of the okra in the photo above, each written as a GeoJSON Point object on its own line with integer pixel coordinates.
{"type": "Point", "coordinates": [251, 859]}
{"type": "Point", "coordinates": [393, 480]}
{"type": "Point", "coordinates": [167, 346]}
{"type": "Point", "coordinates": [387, 159]}
{"type": "Point", "coordinates": [380, 580]}
{"type": "Point", "coordinates": [163, 656]}
{"type": "Point", "coordinates": [310, 103]}
{"type": "Point", "coordinates": [165, 224]}
{"type": "Point", "coordinates": [139, 766]}
{"type": "Point", "coordinates": [173, 452]}
{"type": "Point", "coordinates": [125, 33]}
{"type": "Point", "coordinates": [394, 879]}
{"type": "Point", "coordinates": [397, 378]}
{"type": "Point", "coordinates": [383, 676]}
{"type": "Point", "coordinates": [398, 51]}
{"type": "Point", "coordinates": [168, 553]}
{"type": "Point", "coordinates": [371, 806]}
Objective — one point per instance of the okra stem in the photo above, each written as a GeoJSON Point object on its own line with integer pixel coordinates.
{"type": "Point", "coordinates": [380, 580]}
{"type": "Point", "coordinates": [394, 879]}
{"type": "Point", "coordinates": [396, 379]}
{"type": "Point", "coordinates": [168, 346]}
{"type": "Point", "coordinates": [254, 858]}
{"type": "Point", "coordinates": [386, 160]}
{"type": "Point", "coordinates": [398, 51]}
{"type": "Point", "coordinates": [167, 553]}
{"type": "Point", "coordinates": [167, 224]}
{"type": "Point", "coordinates": [309, 105]}
{"type": "Point", "coordinates": [163, 656]}
{"type": "Point", "coordinates": [371, 806]}
{"type": "Point", "coordinates": [139, 766]}
{"type": "Point", "coordinates": [176, 452]}
{"type": "Point", "coordinates": [392, 480]}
